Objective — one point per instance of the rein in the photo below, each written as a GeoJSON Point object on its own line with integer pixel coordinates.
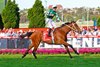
{"type": "Point", "coordinates": [71, 27]}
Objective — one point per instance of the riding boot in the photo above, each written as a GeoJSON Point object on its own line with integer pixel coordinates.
{"type": "Point", "coordinates": [49, 32]}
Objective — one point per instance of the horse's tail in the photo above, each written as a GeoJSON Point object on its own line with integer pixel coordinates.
{"type": "Point", "coordinates": [28, 34]}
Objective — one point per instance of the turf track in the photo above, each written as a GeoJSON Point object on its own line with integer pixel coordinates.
{"type": "Point", "coordinates": [55, 60]}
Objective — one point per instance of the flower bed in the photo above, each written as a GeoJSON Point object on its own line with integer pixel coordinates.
{"type": "Point", "coordinates": [50, 51]}
{"type": "Point", "coordinates": [89, 50]}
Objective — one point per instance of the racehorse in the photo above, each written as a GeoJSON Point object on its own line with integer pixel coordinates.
{"type": "Point", "coordinates": [59, 35]}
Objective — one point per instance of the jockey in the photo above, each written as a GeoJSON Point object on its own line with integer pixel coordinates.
{"type": "Point", "coordinates": [50, 15]}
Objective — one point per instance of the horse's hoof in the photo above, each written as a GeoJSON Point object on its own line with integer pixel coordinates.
{"type": "Point", "coordinates": [35, 58]}
{"type": "Point", "coordinates": [71, 57]}
{"type": "Point", "coordinates": [78, 54]}
{"type": "Point", "coordinates": [23, 56]}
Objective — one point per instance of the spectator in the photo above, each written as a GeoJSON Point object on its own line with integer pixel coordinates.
{"type": "Point", "coordinates": [84, 31]}
{"type": "Point", "coordinates": [98, 32]}
{"type": "Point", "coordinates": [89, 32]}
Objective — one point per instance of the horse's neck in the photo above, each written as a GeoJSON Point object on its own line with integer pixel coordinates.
{"type": "Point", "coordinates": [65, 29]}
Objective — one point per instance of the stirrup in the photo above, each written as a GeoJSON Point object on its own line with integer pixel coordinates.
{"type": "Point", "coordinates": [49, 35]}
{"type": "Point", "coordinates": [49, 32]}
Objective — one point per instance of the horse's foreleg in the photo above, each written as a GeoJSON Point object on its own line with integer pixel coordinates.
{"type": "Point", "coordinates": [74, 49]}
{"type": "Point", "coordinates": [66, 47]}
{"type": "Point", "coordinates": [27, 51]}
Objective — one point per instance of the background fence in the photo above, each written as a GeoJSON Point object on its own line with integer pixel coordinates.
{"type": "Point", "coordinates": [76, 41]}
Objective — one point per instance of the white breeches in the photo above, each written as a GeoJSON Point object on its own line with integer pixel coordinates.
{"type": "Point", "coordinates": [50, 23]}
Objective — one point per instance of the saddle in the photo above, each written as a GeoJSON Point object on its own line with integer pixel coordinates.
{"type": "Point", "coordinates": [48, 35]}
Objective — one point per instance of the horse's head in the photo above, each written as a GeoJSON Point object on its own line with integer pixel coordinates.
{"type": "Point", "coordinates": [73, 26]}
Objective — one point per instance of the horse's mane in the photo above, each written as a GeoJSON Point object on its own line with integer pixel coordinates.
{"type": "Point", "coordinates": [67, 23]}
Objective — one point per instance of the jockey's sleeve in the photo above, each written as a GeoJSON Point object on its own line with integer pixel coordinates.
{"type": "Point", "coordinates": [50, 12]}
{"type": "Point", "coordinates": [58, 18]}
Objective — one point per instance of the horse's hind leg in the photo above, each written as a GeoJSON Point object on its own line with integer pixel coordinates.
{"type": "Point", "coordinates": [27, 50]}
{"type": "Point", "coordinates": [35, 49]}
{"type": "Point", "coordinates": [34, 52]}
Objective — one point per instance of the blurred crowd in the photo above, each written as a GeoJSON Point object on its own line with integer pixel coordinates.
{"type": "Point", "coordinates": [16, 34]}
{"type": "Point", "coordinates": [86, 32]}
{"type": "Point", "coordinates": [11, 33]}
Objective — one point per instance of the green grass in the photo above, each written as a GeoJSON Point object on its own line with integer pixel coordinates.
{"type": "Point", "coordinates": [57, 60]}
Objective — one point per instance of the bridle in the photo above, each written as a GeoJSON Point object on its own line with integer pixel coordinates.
{"type": "Point", "coordinates": [72, 27]}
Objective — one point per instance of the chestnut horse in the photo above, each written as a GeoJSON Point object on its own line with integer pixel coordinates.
{"type": "Point", "coordinates": [59, 35]}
